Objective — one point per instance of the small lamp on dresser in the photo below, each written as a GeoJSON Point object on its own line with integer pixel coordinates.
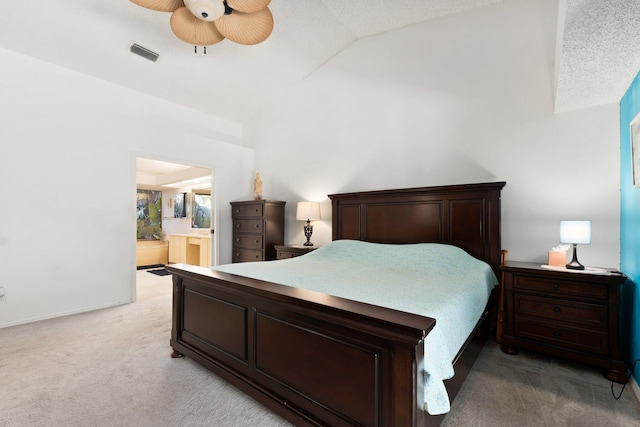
{"type": "Point", "coordinates": [575, 232]}
{"type": "Point", "coordinates": [308, 211]}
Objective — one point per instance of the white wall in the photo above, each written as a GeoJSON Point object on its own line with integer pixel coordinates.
{"type": "Point", "coordinates": [464, 99]}
{"type": "Point", "coordinates": [67, 180]}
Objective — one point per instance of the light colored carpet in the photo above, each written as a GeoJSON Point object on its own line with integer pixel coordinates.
{"type": "Point", "coordinates": [535, 390]}
{"type": "Point", "coordinates": [112, 368]}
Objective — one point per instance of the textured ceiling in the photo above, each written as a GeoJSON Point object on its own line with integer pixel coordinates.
{"type": "Point", "coordinates": [599, 55]}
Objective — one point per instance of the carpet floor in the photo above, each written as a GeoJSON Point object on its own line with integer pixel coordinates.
{"type": "Point", "coordinates": [112, 367]}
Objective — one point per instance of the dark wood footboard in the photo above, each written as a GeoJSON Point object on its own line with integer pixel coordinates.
{"type": "Point", "coordinates": [312, 358]}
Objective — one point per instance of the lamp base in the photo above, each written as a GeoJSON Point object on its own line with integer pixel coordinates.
{"type": "Point", "coordinates": [574, 264]}
{"type": "Point", "coordinates": [308, 231]}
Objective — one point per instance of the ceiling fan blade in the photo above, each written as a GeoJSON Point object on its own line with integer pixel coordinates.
{"type": "Point", "coordinates": [246, 28]}
{"type": "Point", "coordinates": [160, 5]}
{"type": "Point", "coordinates": [192, 30]}
{"type": "Point", "coordinates": [248, 6]}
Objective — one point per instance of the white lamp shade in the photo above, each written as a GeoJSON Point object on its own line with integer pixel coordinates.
{"type": "Point", "coordinates": [578, 232]}
{"type": "Point", "coordinates": [308, 211]}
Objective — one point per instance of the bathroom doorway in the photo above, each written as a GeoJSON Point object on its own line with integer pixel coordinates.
{"type": "Point", "coordinates": [174, 208]}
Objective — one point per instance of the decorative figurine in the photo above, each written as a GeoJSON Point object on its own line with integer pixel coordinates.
{"type": "Point", "coordinates": [257, 187]}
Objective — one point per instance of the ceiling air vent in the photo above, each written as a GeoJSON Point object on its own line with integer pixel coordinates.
{"type": "Point", "coordinates": [144, 52]}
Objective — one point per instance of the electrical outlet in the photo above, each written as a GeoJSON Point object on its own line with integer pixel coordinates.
{"type": "Point", "coordinates": [2, 294]}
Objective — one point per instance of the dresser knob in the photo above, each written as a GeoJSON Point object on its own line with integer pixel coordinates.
{"type": "Point", "coordinates": [557, 309]}
{"type": "Point", "coordinates": [557, 334]}
{"type": "Point", "coordinates": [556, 286]}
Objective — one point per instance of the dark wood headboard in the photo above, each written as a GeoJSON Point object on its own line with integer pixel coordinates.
{"type": "Point", "coordinates": [467, 216]}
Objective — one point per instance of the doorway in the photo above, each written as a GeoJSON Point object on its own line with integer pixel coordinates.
{"type": "Point", "coordinates": [174, 203]}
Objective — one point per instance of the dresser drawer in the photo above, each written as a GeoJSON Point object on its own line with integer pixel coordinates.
{"type": "Point", "coordinates": [562, 336]}
{"type": "Point", "coordinates": [592, 316]}
{"type": "Point", "coordinates": [244, 255]}
{"type": "Point", "coordinates": [561, 287]}
{"type": "Point", "coordinates": [248, 226]}
{"type": "Point", "coordinates": [253, 210]}
{"type": "Point", "coordinates": [253, 241]}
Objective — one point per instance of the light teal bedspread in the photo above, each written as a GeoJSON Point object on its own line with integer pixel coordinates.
{"type": "Point", "coordinates": [429, 279]}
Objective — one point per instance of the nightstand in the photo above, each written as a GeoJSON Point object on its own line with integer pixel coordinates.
{"type": "Point", "coordinates": [573, 315]}
{"type": "Point", "coordinates": [292, 251]}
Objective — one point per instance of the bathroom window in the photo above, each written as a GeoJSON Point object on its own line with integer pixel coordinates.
{"type": "Point", "coordinates": [201, 210]}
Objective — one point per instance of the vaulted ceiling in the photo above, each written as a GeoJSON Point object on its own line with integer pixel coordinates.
{"type": "Point", "coordinates": [598, 55]}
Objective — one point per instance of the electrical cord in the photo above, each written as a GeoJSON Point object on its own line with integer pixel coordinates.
{"type": "Point", "coordinates": [633, 367]}
{"type": "Point", "coordinates": [625, 383]}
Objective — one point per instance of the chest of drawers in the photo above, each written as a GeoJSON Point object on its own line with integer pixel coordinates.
{"type": "Point", "coordinates": [258, 225]}
{"type": "Point", "coordinates": [572, 315]}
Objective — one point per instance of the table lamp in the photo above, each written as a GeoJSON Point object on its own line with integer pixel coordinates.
{"type": "Point", "coordinates": [575, 233]}
{"type": "Point", "coordinates": [307, 211]}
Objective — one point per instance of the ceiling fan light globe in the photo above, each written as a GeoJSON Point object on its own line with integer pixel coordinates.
{"type": "Point", "coordinates": [205, 10]}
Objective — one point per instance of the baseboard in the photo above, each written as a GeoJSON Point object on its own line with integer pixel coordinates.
{"type": "Point", "coordinates": [635, 388]}
{"type": "Point", "coordinates": [61, 314]}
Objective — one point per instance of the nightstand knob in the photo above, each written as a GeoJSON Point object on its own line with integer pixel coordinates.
{"type": "Point", "coordinates": [557, 309]}
{"type": "Point", "coordinates": [557, 334]}
{"type": "Point", "coordinates": [556, 286]}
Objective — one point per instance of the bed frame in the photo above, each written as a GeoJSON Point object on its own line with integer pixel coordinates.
{"type": "Point", "coordinates": [320, 360]}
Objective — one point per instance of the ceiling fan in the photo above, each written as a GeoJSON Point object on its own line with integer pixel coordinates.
{"type": "Point", "coordinates": [207, 22]}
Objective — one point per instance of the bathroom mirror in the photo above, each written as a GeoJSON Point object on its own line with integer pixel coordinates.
{"type": "Point", "coordinates": [180, 205]}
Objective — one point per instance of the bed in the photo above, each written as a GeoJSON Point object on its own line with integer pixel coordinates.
{"type": "Point", "coordinates": [320, 359]}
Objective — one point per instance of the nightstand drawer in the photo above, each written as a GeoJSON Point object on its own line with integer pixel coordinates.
{"type": "Point", "coordinates": [561, 287]}
{"type": "Point", "coordinates": [285, 255]}
{"type": "Point", "coordinates": [243, 255]}
{"type": "Point", "coordinates": [252, 210]}
{"type": "Point", "coordinates": [248, 241]}
{"type": "Point", "coordinates": [248, 226]}
{"type": "Point", "coordinates": [566, 337]}
{"type": "Point", "coordinates": [292, 251]}
{"type": "Point", "coordinates": [593, 316]}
